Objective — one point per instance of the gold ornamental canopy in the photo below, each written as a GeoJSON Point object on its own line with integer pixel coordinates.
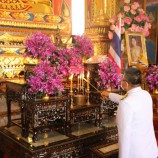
{"type": "Point", "coordinates": [42, 6]}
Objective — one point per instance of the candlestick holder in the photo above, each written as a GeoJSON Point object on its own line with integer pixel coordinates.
{"type": "Point", "coordinates": [46, 97]}
{"type": "Point", "coordinates": [71, 100]}
{"type": "Point", "coordinates": [88, 92]}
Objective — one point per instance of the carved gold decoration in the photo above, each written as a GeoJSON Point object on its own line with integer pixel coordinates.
{"type": "Point", "coordinates": [29, 60]}
{"type": "Point", "coordinates": [16, 62]}
{"type": "Point", "coordinates": [5, 15]}
{"type": "Point", "coordinates": [100, 48]}
{"type": "Point", "coordinates": [97, 23]}
{"type": "Point", "coordinates": [10, 67]}
{"type": "Point", "coordinates": [13, 5]}
{"type": "Point", "coordinates": [99, 38]}
{"type": "Point", "coordinates": [114, 7]}
{"type": "Point", "coordinates": [8, 39]}
{"type": "Point", "coordinates": [28, 25]}
{"type": "Point", "coordinates": [30, 20]}
{"type": "Point", "coordinates": [20, 18]}
{"type": "Point", "coordinates": [100, 16]}
{"type": "Point", "coordinates": [99, 12]}
{"type": "Point", "coordinates": [11, 50]}
{"type": "Point", "coordinates": [41, 6]}
{"type": "Point", "coordinates": [65, 9]}
{"type": "Point", "coordinates": [97, 30]}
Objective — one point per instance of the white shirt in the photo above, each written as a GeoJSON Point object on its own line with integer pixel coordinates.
{"type": "Point", "coordinates": [135, 125]}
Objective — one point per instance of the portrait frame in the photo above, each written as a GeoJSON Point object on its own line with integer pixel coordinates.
{"type": "Point", "coordinates": [141, 56]}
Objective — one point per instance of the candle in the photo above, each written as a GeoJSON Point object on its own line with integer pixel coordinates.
{"type": "Point", "coordinates": [82, 80]}
{"type": "Point", "coordinates": [78, 83]}
{"type": "Point", "coordinates": [88, 74]}
{"type": "Point", "coordinates": [71, 82]}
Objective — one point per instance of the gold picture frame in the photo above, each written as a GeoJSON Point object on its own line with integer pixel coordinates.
{"type": "Point", "coordinates": [136, 49]}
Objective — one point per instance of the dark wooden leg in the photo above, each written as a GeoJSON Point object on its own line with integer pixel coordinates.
{"type": "Point", "coordinates": [34, 138]}
{"type": "Point", "coordinates": [9, 112]}
{"type": "Point", "coordinates": [97, 121]}
{"type": "Point", "coordinates": [23, 119]}
{"type": "Point", "coordinates": [67, 129]}
{"type": "Point", "coordinates": [26, 128]}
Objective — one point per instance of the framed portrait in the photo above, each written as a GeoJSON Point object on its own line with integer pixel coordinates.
{"type": "Point", "coordinates": [136, 49]}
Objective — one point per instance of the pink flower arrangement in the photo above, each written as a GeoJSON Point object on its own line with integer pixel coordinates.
{"type": "Point", "coordinates": [83, 45]}
{"type": "Point", "coordinates": [45, 80]}
{"type": "Point", "coordinates": [70, 59]}
{"type": "Point", "coordinates": [133, 18]}
{"type": "Point", "coordinates": [39, 45]}
{"type": "Point", "coordinates": [75, 62]}
{"type": "Point", "coordinates": [152, 77]}
{"type": "Point", "coordinates": [108, 76]}
{"type": "Point", "coordinates": [47, 75]}
{"type": "Point", "coordinates": [55, 63]}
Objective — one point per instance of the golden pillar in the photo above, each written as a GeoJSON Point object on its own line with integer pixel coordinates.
{"type": "Point", "coordinates": [97, 16]}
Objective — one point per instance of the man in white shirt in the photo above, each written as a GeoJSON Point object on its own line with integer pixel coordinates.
{"type": "Point", "coordinates": [134, 118]}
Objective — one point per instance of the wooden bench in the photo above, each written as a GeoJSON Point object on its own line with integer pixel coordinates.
{"type": "Point", "coordinates": [105, 151]}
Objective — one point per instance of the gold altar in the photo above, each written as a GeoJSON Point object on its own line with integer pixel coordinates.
{"type": "Point", "coordinates": [19, 19]}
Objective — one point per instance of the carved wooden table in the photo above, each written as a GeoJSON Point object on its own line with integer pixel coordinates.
{"type": "Point", "coordinates": [84, 113]}
{"type": "Point", "coordinates": [42, 115]}
{"type": "Point", "coordinates": [15, 91]}
{"type": "Point", "coordinates": [45, 115]}
{"type": "Point", "coordinates": [13, 144]}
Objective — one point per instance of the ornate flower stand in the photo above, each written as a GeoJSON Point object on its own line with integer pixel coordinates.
{"type": "Point", "coordinates": [84, 113]}
{"type": "Point", "coordinates": [45, 115]}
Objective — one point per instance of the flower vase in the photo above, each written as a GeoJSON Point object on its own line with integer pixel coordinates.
{"type": "Point", "coordinates": [45, 97]}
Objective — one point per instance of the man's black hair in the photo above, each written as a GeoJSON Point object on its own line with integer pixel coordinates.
{"type": "Point", "coordinates": [133, 76]}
